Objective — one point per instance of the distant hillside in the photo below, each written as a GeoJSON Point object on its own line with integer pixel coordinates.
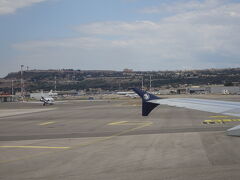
{"type": "Point", "coordinates": [68, 79]}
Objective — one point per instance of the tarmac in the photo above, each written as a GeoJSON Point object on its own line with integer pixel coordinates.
{"type": "Point", "coordinates": [109, 139]}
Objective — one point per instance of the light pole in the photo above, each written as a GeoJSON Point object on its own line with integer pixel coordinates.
{"type": "Point", "coordinates": [22, 81]}
{"type": "Point", "coordinates": [150, 83]}
{"type": "Point", "coordinates": [12, 88]}
{"type": "Point", "coordinates": [55, 83]}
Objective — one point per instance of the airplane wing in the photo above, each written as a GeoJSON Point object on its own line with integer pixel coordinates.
{"type": "Point", "coordinates": [150, 101]}
{"type": "Point", "coordinates": [222, 107]}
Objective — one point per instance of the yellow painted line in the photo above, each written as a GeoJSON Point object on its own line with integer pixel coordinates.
{"type": "Point", "coordinates": [235, 119]}
{"type": "Point", "coordinates": [228, 120]}
{"type": "Point", "coordinates": [218, 121]}
{"type": "Point", "coordinates": [212, 121]}
{"type": "Point", "coordinates": [219, 116]}
{"type": "Point", "coordinates": [208, 121]}
{"type": "Point", "coordinates": [129, 123]}
{"type": "Point", "coordinates": [115, 135]}
{"type": "Point", "coordinates": [136, 123]}
{"type": "Point", "coordinates": [142, 125]}
{"type": "Point", "coordinates": [117, 123]}
{"type": "Point", "coordinates": [35, 147]}
{"type": "Point", "coordinates": [47, 123]}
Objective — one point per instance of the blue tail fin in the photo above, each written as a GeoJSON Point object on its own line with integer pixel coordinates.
{"type": "Point", "coordinates": [147, 106]}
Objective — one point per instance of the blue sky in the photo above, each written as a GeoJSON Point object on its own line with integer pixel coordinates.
{"type": "Point", "coordinates": [118, 34]}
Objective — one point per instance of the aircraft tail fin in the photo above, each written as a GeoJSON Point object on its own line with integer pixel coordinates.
{"type": "Point", "coordinates": [147, 106]}
{"type": "Point", "coordinates": [42, 98]}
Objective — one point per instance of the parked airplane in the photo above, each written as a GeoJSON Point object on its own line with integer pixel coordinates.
{"type": "Point", "coordinates": [124, 92]}
{"type": "Point", "coordinates": [132, 95]}
{"type": "Point", "coordinates": [128, 94]}
{"type": "Point", "coordinates": [150, 101]}
{"type": "Point", "coordinates": [47, 100]}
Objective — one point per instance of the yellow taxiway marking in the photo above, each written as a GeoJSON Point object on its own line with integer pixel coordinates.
{"type": "Point", "coordinates": [220, 121]}
{"type": "Point", "coordinates": [140, 126]}
{"type": "Point", "coordinates": [118, 123]}
{"type": "Point", "coordinates": [35, 147]}
{"type": "Point", "coordinates": [47, 123]}
{"type": "Point", "coordinates": [130, 123]}
{"type": "Point", "coordinates": [219, 116]}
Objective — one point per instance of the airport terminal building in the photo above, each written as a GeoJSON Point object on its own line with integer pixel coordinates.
{"type": "Point", "coordinates": [7, 98]}
{"type": "Point", "coordinates": [214, 90]}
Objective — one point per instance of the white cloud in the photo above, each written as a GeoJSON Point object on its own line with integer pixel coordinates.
{"type": "Point", "coordinates": [184, 6]}
{"type": "Point", "coordinates": [205, 36]}
{"type": "Point", "coordinates": [10, 6]}
{"type": "Point", "coordinates": [117, 28]}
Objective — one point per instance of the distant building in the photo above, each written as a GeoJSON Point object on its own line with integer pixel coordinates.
{"type": "Point", "coordinates": [167, 91]}
{"type": "Point", "coordinates": [68, 93]}
{"type": "Point", "coordinates": [181, 91]}
{"type": "Point", "coordinates": [236, 83]}
{"type": "Point", "coordinates": [7, 98]}
{"type": "Point", "coordinates": [127, 70]}
{"type": "Point", "coordinates": [81, 93]}
{"type": "Point", "coordinates": [197, 90]}
{"type": "Point", "coordinates": [41, 94]}
{"type": "Point", "coordinates": [225, 90]}
{"type": "Point", "coordinates": [38, 96]}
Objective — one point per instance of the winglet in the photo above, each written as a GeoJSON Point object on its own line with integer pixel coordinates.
{"type": "Point", "coordinates": [147, 106]}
